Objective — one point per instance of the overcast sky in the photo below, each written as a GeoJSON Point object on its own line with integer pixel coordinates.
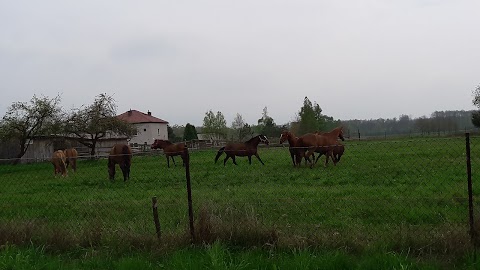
{"type": "Point", "coordinates": [357, 59]}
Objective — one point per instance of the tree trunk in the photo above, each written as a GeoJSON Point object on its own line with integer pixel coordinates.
{"type": "Point", "coordinates": [92, 149]}
{"type": "Point", "coordinates": [23, 150]}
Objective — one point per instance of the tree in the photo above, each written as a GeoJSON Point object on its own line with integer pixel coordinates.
{"type": "Point", "coordinates": [267, 126]}
{"type": "Point", "coordinates": [237, 126]}
{"type": "Point", "coordinates": [190, 133]}
{"type": "Point", "coordinates": [25, 120]}
{"type": "Point", "coordinates": [214, 126]}
{"type": "Point", "coordinates": [476, 102]}
{"type": "Point", "coordinates": [97, 120]}
{"type": "Point", "coordinates": [310, 117]}
{"type": "Point", "coordinates": [171, 135]}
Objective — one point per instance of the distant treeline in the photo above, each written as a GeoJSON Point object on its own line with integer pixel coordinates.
{"type": "Point", "coordinates": [440, 122]}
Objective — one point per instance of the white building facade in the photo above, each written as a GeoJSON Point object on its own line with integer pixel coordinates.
{"type": "Point", "coordinates": [149, 128]}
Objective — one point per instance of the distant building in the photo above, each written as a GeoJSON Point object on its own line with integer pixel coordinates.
{"type": "Point", "coordinates": [148, 127]}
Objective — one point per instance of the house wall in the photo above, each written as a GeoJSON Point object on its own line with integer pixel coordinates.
{"type": "Point", "coordinates": [149, 132]}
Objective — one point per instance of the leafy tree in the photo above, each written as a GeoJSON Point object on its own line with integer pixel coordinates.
{"type": "Point", "coordinates": [25, 120]}
{"type": "Point", "coordinates": [238, 125]}
{"type": "Point", "coordinates": [97, 120]}
{"type": "Point", "coordinates": [267, 126]}
{"type": "Point", "coordinates": [171, 135]}
{"type": "Point", "coordinates": [214, 126]}
{"type": "Point", "coordinates": [310, 117]}
{"type": "Point", "coordinates": [190, 133]}
{"type": "Point", "coordinates": [245, 133]}
{"type": "Point", "coordinates": [476, 102]}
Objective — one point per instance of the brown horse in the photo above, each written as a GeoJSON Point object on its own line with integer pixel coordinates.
{"type": "Point", "coordinates": [71, 155]}
{"type": "Point", "coordinates": [170, 150]}
{"type": "Point", "coordinates": [58, 161]}
{"type": "Point", "coordinates": [322, 144]}
{"type": "Point", "coordinates": [120, 154]}
{"type": "Point", "coordinates": [248, 148]}
{"type": "Point", "coordinates": [337, 151]}
{"type": "Point", "coordinates": [292, 142]}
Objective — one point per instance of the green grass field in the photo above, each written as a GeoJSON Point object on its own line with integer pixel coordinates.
{"type": "Point", "coordinates": [405, 195]}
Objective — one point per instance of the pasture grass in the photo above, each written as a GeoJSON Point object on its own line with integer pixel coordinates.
{"type": "Point", "coordinates": [406, 195]}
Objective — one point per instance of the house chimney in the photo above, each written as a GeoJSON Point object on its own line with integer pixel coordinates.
{"type": "Point", "coordinates": [130, 112]}
{"type": "Point", "coordinates": [149, 113]}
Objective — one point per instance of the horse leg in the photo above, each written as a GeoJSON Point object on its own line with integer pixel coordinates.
{"type": "Point", "coordinates": [250, 160]}
{"type": "Point", "coordinates": [259, 158]}
{"type": "Point", "coordinates": [234, 161]}
{"type": "Point", "coordinates": [173, 161]}
{"type": "Point", "coordinates": [308, 154]}
{"type": "Point", "coordinates": [225, 160]}
{"type": "Point", "coordinates": [168, 161]}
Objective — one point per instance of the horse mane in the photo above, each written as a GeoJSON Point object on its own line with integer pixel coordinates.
{"type": "Point", "coordinates": [249, 141]}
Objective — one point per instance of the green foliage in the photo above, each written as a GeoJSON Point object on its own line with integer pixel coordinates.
{"type": "Point", "coordinates": [311, 118]}
{"type": "Point", "coordinates": [267, 126]}
{"type": "Point", "coordinates": [97, 120]}
{"type": "Point", "coordinates": [476, 102]}
{"type": "Point", "coordinates": [214, 125]}
{"type": "Point", "coordinates": [190, 133]}
{"type": "Point", "coordinates": [172, 136]}
{"type": "Point", "coordinates": [25, 120]}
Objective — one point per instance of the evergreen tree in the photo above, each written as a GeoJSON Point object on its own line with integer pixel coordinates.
{"type": "Point", "coordinates": [190, 133]}
{"type": "Point", "coordinates": [310, 117]}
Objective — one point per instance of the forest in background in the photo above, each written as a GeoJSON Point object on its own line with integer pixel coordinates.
{"type": "Point", "coordinates": [438, 123]}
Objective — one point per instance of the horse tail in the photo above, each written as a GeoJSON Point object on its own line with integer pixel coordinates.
{"type": "Point", "coordinates": [219, 153]}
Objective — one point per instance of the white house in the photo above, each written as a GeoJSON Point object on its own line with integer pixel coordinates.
{"type": "Point", "coordinates": [148, 127]}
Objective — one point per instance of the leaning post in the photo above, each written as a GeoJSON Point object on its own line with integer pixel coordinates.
{"type": "Point", "coordinates": [155, 217]}
{"type": "Point", "coordinates": [189, 193]}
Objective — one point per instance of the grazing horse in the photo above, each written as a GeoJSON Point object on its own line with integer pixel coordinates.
{"type": "Point", "coordinates": [248, 148]}
{"type": "Point", "coordinates": [120, 154]}
{"type": "Point", "coordinates": [58, 161]}
{"type": "Point", "coordinates": [323, 144]}
{"type": "Point", "coordinates": [71, 155]}
{"type": "Point", "coordinates": [292, 141]}
{"type": "Point", "coordinates": [170, 150]}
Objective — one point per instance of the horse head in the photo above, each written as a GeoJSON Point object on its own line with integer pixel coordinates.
{"type": "Point", "coordinates": [157, 144]}
{"type": "Point", "coordinates": [263, 139]}
{"type": "Point", "coordinates": [340, 133]}
{"type": "Point", "coordinates": [284, 136]}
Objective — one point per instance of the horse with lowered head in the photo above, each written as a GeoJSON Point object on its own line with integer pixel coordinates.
{"type": "Point", "coordinates": [248, 149]}
{"type": "Point", "coordinates": [170, 150]}
{"type": "Point", "coordinates": [120, 154]}
{"type": "Point", "coordinates": [322, 143]}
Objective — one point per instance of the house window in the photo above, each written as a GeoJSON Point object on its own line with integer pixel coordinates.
{"type": "Point", "coordinates": [158, 131]}
{"type": "Point", "coordinates": [144, 129]}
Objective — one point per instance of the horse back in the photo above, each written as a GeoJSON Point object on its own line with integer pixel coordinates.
{"type": "Point", "coordinates": [119, 153]}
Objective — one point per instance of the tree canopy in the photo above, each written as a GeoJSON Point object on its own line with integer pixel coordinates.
{"type": "Point", "coordinates": [214, 126]}
{"type": "Point", "coordinates": [25, 120]}
{"type": "Point", "coordinates": [190, 133]}
{"type": "Point", "coordinates": [97, 120]}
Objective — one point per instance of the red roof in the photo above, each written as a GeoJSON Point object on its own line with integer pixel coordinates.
{"type": "Point", "coordinates": [134, 116]}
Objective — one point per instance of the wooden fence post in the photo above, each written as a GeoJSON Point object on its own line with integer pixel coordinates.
{"type": "Point", "coordinates": [470, 190]}
{"type": "Point", "coordinates": [155, 217]}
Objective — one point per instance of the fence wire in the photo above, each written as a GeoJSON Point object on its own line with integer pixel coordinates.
{"type": "Point", "coordinates": [406, 193]}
